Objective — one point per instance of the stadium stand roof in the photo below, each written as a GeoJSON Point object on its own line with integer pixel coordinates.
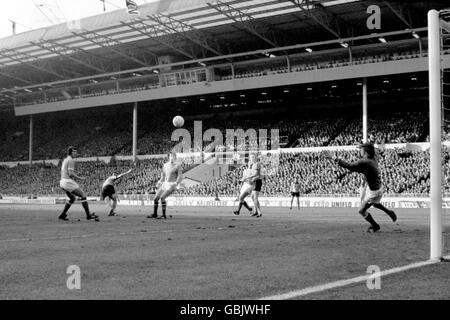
{"type": "Point", "coordinates": [189, 30]}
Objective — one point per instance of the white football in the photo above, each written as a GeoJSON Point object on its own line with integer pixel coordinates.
{"type": "Point", "coordinates": [178, 121]}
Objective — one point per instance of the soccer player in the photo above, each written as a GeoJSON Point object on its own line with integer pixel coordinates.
{"type": "Point", "coordinates": [246, 189]}
{"type": "Point", "coordinates": [170, 180]}
{"type": "Point", "coordinates": [257, 179]}
{"type": "Point", "coordinates": [108, 191]}
{"type": "Point", "coordinates": [72, 188]}
{"type": "Point", "coordinates": [372, 191]}
{"type": "Point", "coordinates": [295, 192]}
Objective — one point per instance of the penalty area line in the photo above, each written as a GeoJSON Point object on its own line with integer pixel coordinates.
{"type": "Point", "coordinates": [347, 282]}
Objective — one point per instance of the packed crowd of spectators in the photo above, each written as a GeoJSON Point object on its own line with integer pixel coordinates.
{"type": "Point", "coordinates": [100, 134]}
{"type": "Point", "coordinates": [404, 172]}
{"type": "Point", "coordinates": [388, 128]}
{"type": "Point", "coordinates": [43, 179]}
{"type": "Point", "coordinates": [319, 132]}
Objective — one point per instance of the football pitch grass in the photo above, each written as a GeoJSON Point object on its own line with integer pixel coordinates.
{"type": "Point", "coordinates": [208, 253]}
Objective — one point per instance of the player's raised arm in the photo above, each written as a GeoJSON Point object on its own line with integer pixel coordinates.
{"type": "Point", "coordinates": [352, 166]}
{"type": "Point", "coordinates": [123, 174]}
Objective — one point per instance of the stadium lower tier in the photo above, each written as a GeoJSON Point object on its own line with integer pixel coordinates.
{"type": "Point", "coordinates": [403, 173]}
{"type": "Point", "coordinates": [99, 134]}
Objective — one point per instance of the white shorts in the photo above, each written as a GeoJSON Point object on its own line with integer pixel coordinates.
{"type": "Point", "coordinates": [371, 196]}
{"type": "Point", "coordinates": [168, 186]}
{"type": "Point", "coordinates": [247, 188]}
{"type": "Point", "coordinates": [68, 185]}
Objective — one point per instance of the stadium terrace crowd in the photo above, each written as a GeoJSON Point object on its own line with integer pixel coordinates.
{"type": "Point", "coordinates": [404, 172]}
{"type": "Point", "coordinates": [43, 179]}
{"type": "Point", "coordinates": [398, 128]}
{"type": "Point", "coordinates": [102, 135]}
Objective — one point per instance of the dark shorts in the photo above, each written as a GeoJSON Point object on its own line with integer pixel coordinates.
{"type": "Point", "coordinates": [108, 191]}
{"type": "Point", "coordinates": [295, 194]}
{"type": "Point", "coordinates": [258, 185]}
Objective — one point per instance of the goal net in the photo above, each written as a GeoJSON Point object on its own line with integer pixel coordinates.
{"type": "Point", "coordinates": [439, 93]}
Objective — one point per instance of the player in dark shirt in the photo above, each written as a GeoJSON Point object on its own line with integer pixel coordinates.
{"type": "Point", "coordinates": [372, 190]}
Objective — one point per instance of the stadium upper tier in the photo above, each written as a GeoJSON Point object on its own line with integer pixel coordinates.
{"type": "Point", "coordinates": [403, 173]}
{"type": "Point", "coordinates": [139, 81]}
{"type": "Point", "coordinates": [171, 43]}
{"type": "Point", "coordinates": [189, 30]}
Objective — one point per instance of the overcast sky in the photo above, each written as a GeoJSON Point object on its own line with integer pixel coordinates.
{"type": "Point", "coordinates": [33, 14]}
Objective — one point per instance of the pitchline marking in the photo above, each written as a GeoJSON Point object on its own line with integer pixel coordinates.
{"type": "Point", "coordinates": [343, 283]}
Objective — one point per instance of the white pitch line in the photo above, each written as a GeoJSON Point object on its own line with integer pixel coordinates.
{"type": "Point", "coordinates": [343, 283]}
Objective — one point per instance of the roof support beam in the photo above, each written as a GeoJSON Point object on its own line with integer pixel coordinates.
{"type": "Point", "coordinates": [398, 12]}
{"type": "Point", "coordinates": [244, 19]}
{"type": "Point", "coordinates": [216, 60]}
{"type": "Point", "coordinates": [445, 25]}
{"type": "Point", "coordinates": [187, 31]}
{"type": "Point", "coordinates": [28, 60]}
{"type": "Point", "coordinates": [328, 22]}
{"type": "Point", "coordinates": [68, 52]}
{"type": "Point", "coordinates": [15, 77]}
{"type": "Point", "coordinates": [111, 44]}
{"type": "Point", "coordinates": [155, 32]}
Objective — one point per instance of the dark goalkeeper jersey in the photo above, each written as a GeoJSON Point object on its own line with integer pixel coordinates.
{"type": "Point", "coordinates": [368, 167]}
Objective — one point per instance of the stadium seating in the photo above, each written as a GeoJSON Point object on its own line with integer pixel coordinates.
{"type": "Point", "coordinates": [100, 134]}
{"type": "Point", "coordinates": [43, 179]}
{"type": "Point", "coordinates": [404, 172]}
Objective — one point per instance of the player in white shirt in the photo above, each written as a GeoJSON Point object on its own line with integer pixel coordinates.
{"type": "Point", "coordinates": [246, 189]}
{"type": "Point", "coordinates": [72, 188]}
{"type": "Point", "coordinates": [108, 191]}
{"type": "Point", "coordinates": [295, 192]}
{"type": "Point", "coordinates": [256, 177]}
{"type": "Point", "coordinates": [170, 180]}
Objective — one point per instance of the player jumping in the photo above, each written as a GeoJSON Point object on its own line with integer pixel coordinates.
{"type": "Point", "coordinates": [372, 191]}
{"type": "Point", "coordinates": [108, 191]}
{"type": "Point", "coordinates": [171, 177]}
{"type": "Point", "coordinates": [72, 188]}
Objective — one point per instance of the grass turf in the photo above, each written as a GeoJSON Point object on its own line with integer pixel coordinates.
{"type": "Point", "coordinates": [207, 253]}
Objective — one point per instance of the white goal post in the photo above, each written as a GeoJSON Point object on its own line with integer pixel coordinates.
{"type": "Point", "coordinates": [435, 100]}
